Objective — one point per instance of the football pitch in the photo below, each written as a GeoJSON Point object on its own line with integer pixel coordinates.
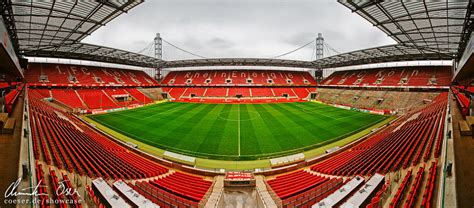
{"type": "Point", "coordinates": [237, 131]}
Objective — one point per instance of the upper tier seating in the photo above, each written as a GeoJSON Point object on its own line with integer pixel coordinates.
{"type": "Point", "coordinates": [408, 76]}
{"type": "Point", "coordinates": [237, 77]}
{"type": "Point", "coordinates": [63, 75]}
{"type": "Point", "coordinates": [399, 145]}
{"type": "Point", "coordinates": [72, 145]}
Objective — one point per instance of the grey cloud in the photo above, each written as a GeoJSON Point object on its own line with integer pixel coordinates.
{"type": "Point", "coordinates": [244, 28]}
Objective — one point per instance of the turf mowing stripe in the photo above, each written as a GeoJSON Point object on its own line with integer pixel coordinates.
{"type": "Point", "coordinates": [185, 127]}
{"type": "Point", "coordinates": [285, 139]}
{"type": "Point", "coordinates": [228, 144]}
{"type": "Point", "coordinates": [213, 138]}
{"type": "Point", "coordinates": [308, 135]}
{"type": "Point", "coordinates": [262, 134]}
{"type": "Point", "coordinates": [317, 124]}
{"type": "Point", "coordinates": [260, 130]}
{"type": "Point", "coordinates": [249, 141]}
{"type": "Point", "coordinates": [196, 132]}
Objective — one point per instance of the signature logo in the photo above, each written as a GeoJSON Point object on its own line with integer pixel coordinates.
{"type": "Point", "coordinates": [28, 191]}
{"type": "Point", "coordinates": [62, 189]}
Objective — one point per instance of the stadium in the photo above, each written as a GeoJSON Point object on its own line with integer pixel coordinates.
{"type": "Point", "coordinates": [86, 125]}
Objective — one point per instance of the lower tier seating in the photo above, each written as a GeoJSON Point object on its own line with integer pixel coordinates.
{"type": "Point", "coordinates": [42, 192]}
{"type": "Point", "coordinates": [375, 99]}
{"type": "Point", "coordinates": [162, 197]}
{"type": "Point", "coordinates": [190, 187]}
{"type": "Point", "coordinates": [90, 99]}
{"type": "Point", "coordinates": [236, 93]}
{"type": "Point", "coordinates": [313, 195]}
{"type": "Point", "coordinates": [414, 189]}
{"type": "Point", "coordinates": [67, 97]}
{"type": "Point", "coordinates": [430, 185]}
{"type": "Point", "coordinates": [294, 183]}
{"type": "Point", "coordinates": [96, 99]}
{"type": "Point", "coordinates": [398, 145]}
{"type": "Point", "coordinates": [72, 145]}
{"type": "Point", "coordinates": [396, 200]}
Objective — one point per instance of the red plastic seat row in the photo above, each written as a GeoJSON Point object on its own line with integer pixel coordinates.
{"type": "Point", "coordinates": [413, 192]}
{"type": "Point", "coordinates": [313, 195]}
{"type": "Point", "coordinates": [430, 185]}
{"type": "Point", "coordinates": [142, 98]}
{"type": "Point", "coordinates": [56, 186]}
{"type": "Point", "coordinates": [162, 197]}
{"type": "Point", "coordinates": [96, 199]}
{"type": "Point", "coordinates": [294, 183]}
{"type": "Point", "coordinates": [96, 99]}
{"type": "Point", "coordinates": [190, 187]}
{"type": "Point", "coordinates": [73, 197]}
{"type": "Point", "coordinates": [376, 200]}
{"type": "Point", "coordinates": [12, 97]}
{"type": "Point", "coordinates": [462, 100]}
{"type": "Point", "coordinates": [42, 192]}
{"type": "Point", "coordinates": [401, 190]}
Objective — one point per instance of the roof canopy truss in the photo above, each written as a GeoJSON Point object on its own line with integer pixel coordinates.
{"type": "Point", "coordinates": [439, 26]}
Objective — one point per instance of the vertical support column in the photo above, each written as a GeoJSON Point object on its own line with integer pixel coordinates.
{"type": "Point", "coordinates": [318, 74]}
{"type": "Point", "coordinates": [319, 46]}
{"type": "Point", "coordinates": [158, 47]}
{"type": "Point", "coordinates": [158, 74]}
{"type": "Point", "coordinates": [158, 55]}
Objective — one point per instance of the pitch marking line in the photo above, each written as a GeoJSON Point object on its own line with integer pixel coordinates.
{"type": "Point", "coordinates": [238, 125]}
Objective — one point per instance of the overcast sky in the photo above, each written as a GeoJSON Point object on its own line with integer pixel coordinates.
{"type": "Point", "coordinates": [239, 28]}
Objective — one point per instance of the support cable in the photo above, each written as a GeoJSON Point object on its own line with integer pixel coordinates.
{"type": "Point", "coordinates": [292, 51]}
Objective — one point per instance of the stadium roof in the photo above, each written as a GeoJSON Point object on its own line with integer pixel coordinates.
{"type": "Point", "coordinates": [442, 26]}
{"type": "Point", "coordinates": [388, 53]}
{"type": "Point", "coordinates": [55, 29]}
{"type": "Point", "coordinates": [424, 30]}
{"type": "Point", "coordinates": [92, 52]}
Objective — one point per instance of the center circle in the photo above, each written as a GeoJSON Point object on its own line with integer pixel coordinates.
{"type": "Point", "coordinates": [252, 116]}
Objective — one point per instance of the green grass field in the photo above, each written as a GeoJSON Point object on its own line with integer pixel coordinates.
{"type": "Point", "coordinates": [237, 131]}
